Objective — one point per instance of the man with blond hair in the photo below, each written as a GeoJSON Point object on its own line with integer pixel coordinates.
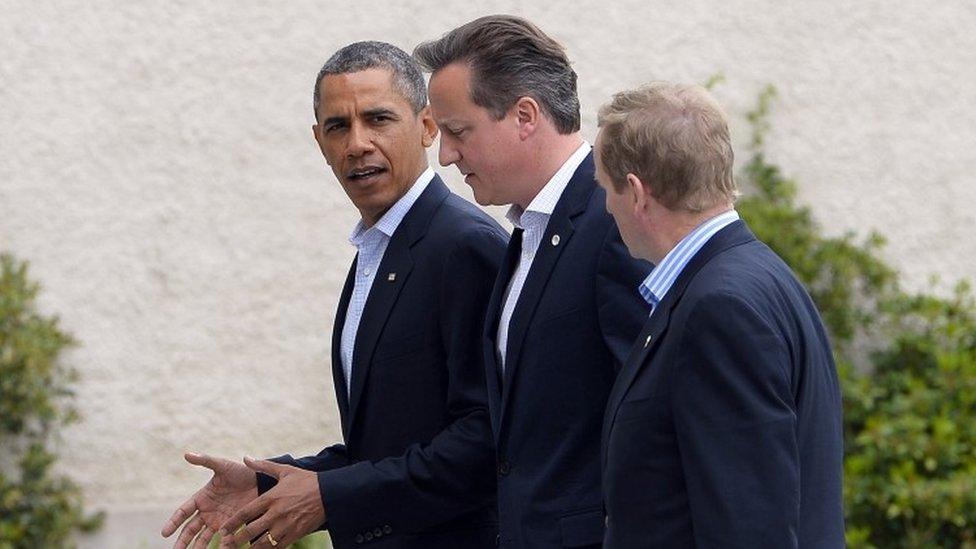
{"type": "Point", "coordinates": [724, 427]}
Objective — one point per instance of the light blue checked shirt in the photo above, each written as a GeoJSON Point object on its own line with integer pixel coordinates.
{"type": "Point", "coordinates": [662, 277]}
{"type": "Point", "coordinates": [533, 221]}
{"type": "Point", "coordinates": [371, 242]}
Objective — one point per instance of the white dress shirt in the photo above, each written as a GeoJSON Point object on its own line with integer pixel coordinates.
{"type": "Point", "coordinates": [533, 221]}
{"type": "Point", "coordinates": [371, 242]}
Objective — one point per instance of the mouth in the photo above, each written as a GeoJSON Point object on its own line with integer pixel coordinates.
{"type": "Point", "coordinates": [365, 174]}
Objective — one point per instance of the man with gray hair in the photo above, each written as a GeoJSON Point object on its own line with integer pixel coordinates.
{"type": "Point", "coordinates": [563, 312]}
{"type": "Point", "coordinates": [416, 469]}
{"type": "Point", "coordinates": [724, 427]}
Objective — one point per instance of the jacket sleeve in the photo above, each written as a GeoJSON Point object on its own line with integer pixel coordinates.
{"type": "Point", "coordinates": [621, 309]}
{"type": "Point", "coordinates": [454, 473]}
{"type": "Point", "coordinates": [329, 458]}
{"type": "Point", "coordinates": [735, 422]}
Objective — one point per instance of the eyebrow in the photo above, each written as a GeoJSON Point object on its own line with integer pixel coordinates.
{"type": "Point", "coordinates": [379, 111]}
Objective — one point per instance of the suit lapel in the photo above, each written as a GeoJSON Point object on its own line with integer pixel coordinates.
{"type": "Point", "coordinates": [492, 368]}
{"type": "Point", "coordinates": [397, 261]}
{"type": "Point", "coordinates": [642, 353]}
{"type": "Point", "coordinates": [338, 376]}
{"type": "Point", "coordinates": [572, 203]}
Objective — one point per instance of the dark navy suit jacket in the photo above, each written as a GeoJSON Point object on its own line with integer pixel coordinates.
{"type": "Point", "coordinates": [724, 428]}
{"type": "Point", "coordinates": [575, 320]}
{"type": "Point", "coordinates": [417, 466]}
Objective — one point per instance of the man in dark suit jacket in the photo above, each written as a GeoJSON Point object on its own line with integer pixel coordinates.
{"type": "Point", "coordinates": [417, 467]}
{"type": "Point", "coordinates": [724, 427]}
{"type": "Point", "coordinates": [563, 311]}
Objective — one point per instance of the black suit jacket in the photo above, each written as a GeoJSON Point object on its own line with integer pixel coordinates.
{"type": "Point", "coordinates": [574, 322]}
{"type": "Point", "coordinates": [724, 428]}
{"type": "Point", "coordinates": [417, 468]}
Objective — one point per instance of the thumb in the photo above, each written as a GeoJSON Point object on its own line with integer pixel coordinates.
{"type": "Point", "coordinates": [202, 460]}
{"type": "Point", "coordinates": [269, 468]}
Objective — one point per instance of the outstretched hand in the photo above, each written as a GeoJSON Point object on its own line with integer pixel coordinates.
{"type": "Point", "coordinates": [280, 516]}
{"type": "Point", "coordinates": [232, 487]}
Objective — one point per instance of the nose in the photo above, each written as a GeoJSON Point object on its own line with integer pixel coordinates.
{"type": "Point", "coordinates": [360, 141]}
{"type": "Point", "coordinates": [447, 154]}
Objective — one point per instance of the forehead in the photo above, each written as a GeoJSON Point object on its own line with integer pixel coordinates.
{"type": "Point", "coordinates": [598, 144]}
{"type": "Point", "coordinates": [359, 91]}
{"type": "Point", "coordinates": [450, 93]}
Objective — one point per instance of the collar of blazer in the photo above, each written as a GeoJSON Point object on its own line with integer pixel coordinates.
{"type": "Point", "coordinates": [651, 334]}
{"type": "Point", "coordinates": [571, 204]}
{"type": "Point", "coordinates": [383, 294]}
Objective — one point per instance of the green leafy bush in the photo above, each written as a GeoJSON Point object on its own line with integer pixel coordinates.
{"type": "Point", "coordinates": [37, 509]}
{"type": "Point", "coordinates": [907, 365]}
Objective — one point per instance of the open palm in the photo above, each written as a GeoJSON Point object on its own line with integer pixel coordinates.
{"type": "Point", "coordinates": [233, 486]}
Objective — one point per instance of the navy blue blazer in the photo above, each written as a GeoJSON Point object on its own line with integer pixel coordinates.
{"type": "Point", "coordinates": [724, 428]}
{"type": "Point", "coordinates": [576, 318]}
{"type": "Point", "coordinates": [417, 466]}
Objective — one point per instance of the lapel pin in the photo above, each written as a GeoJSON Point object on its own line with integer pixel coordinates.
{"type": "Point", "coordinates": [391, 277]}
{"type": "Point", "coordinates": [555, 240]}
{"type": "Point", "coordinates": [647, 341]}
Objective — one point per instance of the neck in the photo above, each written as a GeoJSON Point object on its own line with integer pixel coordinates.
{"type": "Point", "coordinates": [548, 155]}
{"type": "Point", "coordinates": [680, 224]}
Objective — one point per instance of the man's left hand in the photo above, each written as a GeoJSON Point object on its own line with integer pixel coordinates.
{"type": "Point", "coordinates": [288, 512]}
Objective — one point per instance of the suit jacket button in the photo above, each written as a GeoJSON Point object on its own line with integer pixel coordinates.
{"type": "Point", "coordinates": [387, 529]}
{"type": "Point", "coordinates": [369, 536]}
{"type": "Point", "coordinates": [359, 538]}
{"type": "Point", "coordinates": [378, 532]}
{"type": "Point", "coordinates": [504, 468]}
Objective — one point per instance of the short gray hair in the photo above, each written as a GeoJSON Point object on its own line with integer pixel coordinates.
{"type": "Point", "coordinates": [675, 139]}
{"type": "Point", "coordinates": [360, 56]}
{"type": "Point", "coordinates": [509, 58]}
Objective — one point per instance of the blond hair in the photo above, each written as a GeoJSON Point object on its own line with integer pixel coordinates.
{"type": "Point", "coordinates": [675, 139]}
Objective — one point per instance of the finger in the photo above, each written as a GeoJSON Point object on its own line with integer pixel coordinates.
{"type": "Point", "coordinates": [269, 468]}
{"type": "Point", "coordinates": [188, 532]}
{"type": "Point", "coordinates": [203, 460]}
{"type": "Point", "coordinates": [184, 512]}
{"type": "Point", "coordinates": [203, 539]}
{"type": "Point", "coordinates": [245, 515]}
{"type": "Point", "coordinates": [229, 541]}
{"type": "Point", "coordinates": [264, 542]}
{"type": "Point", "coordinates": [255, 530]}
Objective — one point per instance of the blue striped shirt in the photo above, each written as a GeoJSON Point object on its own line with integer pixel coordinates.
{"type": "Point", "coordinates": [657, 284]}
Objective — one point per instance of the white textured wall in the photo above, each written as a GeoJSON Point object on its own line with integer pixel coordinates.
{"type": "Point", "coordinates": [157, 169]}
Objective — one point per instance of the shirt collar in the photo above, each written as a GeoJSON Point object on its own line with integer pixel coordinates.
{"type": "Point", "coordinates": [663, 275]}
{"type": "Point", "coordinates": [545, 202]}
{"type": "Point", "coordinates": [388, 224]}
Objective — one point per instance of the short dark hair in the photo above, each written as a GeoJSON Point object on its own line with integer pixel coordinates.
{"type": "Point", "coordinates": [360, 56]}
{"type": "Point", "coordinates": [509, 58]}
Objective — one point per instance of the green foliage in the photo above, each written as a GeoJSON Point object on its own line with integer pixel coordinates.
{"type": "Point", "coordinates": [37, 509]}
{"type": "Point", "coordinates": [318, 540]}
{"type": "Point", "coordinates": [910, 404]}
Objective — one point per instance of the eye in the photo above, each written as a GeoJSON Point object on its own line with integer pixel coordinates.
{"type": "Point", "coordinates": [456, 132]}
{"type": "Point", "coordinates": [329, 128]}
{"type": "Point", "coordinates": [382, 118]}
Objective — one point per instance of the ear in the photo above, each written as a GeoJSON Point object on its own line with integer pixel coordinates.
{"type": "Point", "coordinates": [528, 114]}
{"type": "Point", "coordinates": [430, 126]}
{"type": "Point", "coordinates": [635, 188]}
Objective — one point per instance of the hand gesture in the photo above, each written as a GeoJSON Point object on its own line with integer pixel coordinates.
{"type": "Point", "coordinates": [282, 515]}
{"type": "Point", "coordinates": [232, 487]}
